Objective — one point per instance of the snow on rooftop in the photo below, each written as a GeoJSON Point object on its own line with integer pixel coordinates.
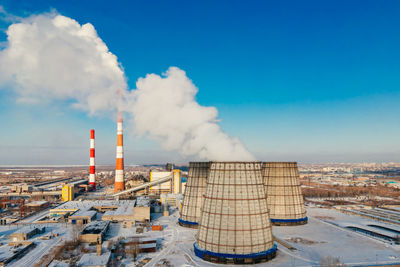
{"type": "Point", "coordinates": [56, 263]}
{"type": "Point", "coordinates": [95, 227]}
{"type": "Point", "coordinates": [123, 209]}
{"type": "Point", "coordinates": [38, 203]}
{"type": "Point", "coordinates": [26, 229]}
{"type": "Point", "coordinates": [7, 252]}
{"type": "Point", "coordinates": [94, 260]}
{"type": "Point", "coordinates": [88, 213]}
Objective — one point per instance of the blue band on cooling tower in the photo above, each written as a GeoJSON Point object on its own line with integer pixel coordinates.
{"type": "Point", "coordinates": [289, 220]}
{"type": "Point", "coordinates": [187, 222]}
{"type": "Point", "coordinates": [200, 253]}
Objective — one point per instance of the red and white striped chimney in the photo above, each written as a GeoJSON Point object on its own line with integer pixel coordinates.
{"type": "Point", "coordinates": [119, 166]}
{"type": "Point", "coordinates": [92, 168]}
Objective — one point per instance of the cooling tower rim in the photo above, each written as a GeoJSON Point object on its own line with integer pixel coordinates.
{"type": "Point", "coordinates": [200, 252]}
{"type": "Point", "coordinates": [187, 222]}
{"type": "Point", "coordinates": [305, 219]}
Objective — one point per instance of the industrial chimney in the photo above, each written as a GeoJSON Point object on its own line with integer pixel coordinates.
{"type": "Point", "coordinates": [284, 197]}
{"type": "Point", "coordinates": [92, 167]}
{"type": "Point", "coordinates": [119, 166]}
{"type": "Point", "coordinates": [193, 196]}
{"type": "Point", "coordinates": [234, 226]}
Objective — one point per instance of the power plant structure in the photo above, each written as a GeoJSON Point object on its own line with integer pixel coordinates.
{"type": "Point", "coordinates": [119, 184]}
{"type": "Point", "coordinates": [92, 167]}
{"type": "Point", "coordinates": [193, 195]}
{"type": "Point", "coordinates": [284, 198]}
{"type": "Point", "coordinates": [234, 226]}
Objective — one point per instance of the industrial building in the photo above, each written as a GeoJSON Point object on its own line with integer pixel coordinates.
{"type": "Point", "coordinates": [9, 253]}
{"type": "Point", "coordinates": [93, 260]}
{"type": "Point", "coordinates": [94, 232]}
{"type": "Point", "coordinates": [172, 186]}
{"type": "Point", "coordinates": [125, 213]}
{"type": "Point", "coordinates": [284, 198]}
{"type": "Point", "coordinates": [26, 233]}
{"type": "Point", "coordinates": [82, 217]}
{"type": "Point", "coordinates": [193, 195]}
{"type": "Point", "coordinates": [234, 225]}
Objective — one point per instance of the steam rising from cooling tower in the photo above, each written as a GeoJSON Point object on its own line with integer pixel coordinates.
{"type": "Point", "coordinates": [50, 57]}
{"type": "Point", "coordinates": [178, 121]}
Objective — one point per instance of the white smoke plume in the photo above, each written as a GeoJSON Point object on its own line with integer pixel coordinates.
{"type": "Point", "coordinates": [165, 108]}
{"type": "Point", "coordinates": [51, 57]}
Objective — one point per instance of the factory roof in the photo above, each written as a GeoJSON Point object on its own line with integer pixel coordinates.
{"type": "Point", "coordinates": [6, 252]}
{"type": "Point", "coordinates": [94, 260]}
{"type": "Point", "coordinates": [95, 227]}
{"type": "Point", "coordinates": [143, 201]}
{"type": "Point", "coordinates": [36, 203]}
{"type": "Point", "coordinates": [88, 204]}
{"type": "Point", "coordinates": [148, 245]}
{"type": "Point", "coordinates": [123, 209]}
{"type": "Point", "coordinates": [56, 263]}
{"type": "Point", "coordinates": [26, 229]}
{"type": "Point", "coordinates": [85, 213]}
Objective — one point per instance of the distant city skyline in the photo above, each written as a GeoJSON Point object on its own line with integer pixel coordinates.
{"type": "Point", "coordinates": [294, 81]}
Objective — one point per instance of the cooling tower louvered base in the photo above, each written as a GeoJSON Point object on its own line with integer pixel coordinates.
{"type": "Point", "coordinates": [284, 197]}
{"type": "Point", "coordinates": [278, 222]}
{"type": "Point", "coordinates": [193, 196]}
{"type": "Point", "coordinates": [235, 258]}
{"type": "Point", "coordinates": [234, 226]}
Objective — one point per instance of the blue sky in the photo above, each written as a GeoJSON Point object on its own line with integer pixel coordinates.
{"type": "Point", "coordinates": [310, 81]}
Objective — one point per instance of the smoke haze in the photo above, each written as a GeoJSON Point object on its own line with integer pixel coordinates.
{"type": "Point", "coordinates": [51, 57]}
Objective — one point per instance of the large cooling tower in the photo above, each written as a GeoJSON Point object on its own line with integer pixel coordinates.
{"type": "Point", "coordinates": [233, 227]}
{"type": "Point", "coordinates": [193, 196]}
{"type": "Point", "coordinates": [284, 197]}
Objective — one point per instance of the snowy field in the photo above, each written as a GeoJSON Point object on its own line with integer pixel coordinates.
{"type": "Point", "coordinates": [325, 236]}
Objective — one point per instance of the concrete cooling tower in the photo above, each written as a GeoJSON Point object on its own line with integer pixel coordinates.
{"type": "Point", "coordinates": [193, 196]}
{"type": "Point", "coordinates": [234, 226]}
{"type": "Point", "coordinates": [284, 197]}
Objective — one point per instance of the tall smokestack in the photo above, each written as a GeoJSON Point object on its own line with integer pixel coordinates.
{"type": "Point", "coordinates": [92, 168]}
{"type": "Point", "coordinates": [119, 166]}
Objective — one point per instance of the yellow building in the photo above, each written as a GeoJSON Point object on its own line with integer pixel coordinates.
{"type": "Point", "coordinates": [177, 181]}
{"type": "Point", "coordinates": [163, 188]}
{"type": "Point", "coordinates": [67, 193]}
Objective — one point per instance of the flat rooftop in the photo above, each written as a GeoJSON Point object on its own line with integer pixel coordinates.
{"type": "Point", "coordinates": [95, 227]}
{"type": "Point", "coordinates": [94, 260]}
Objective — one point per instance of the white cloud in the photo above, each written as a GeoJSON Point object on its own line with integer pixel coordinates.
{"type": "Point", "coordinates": [52, 57]}
{"type": "Point", "coordinates": [165, 108]}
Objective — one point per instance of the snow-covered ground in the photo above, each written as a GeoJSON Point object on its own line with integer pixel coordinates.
{"type": "Point", "coordinates": [42, 246]}
{"type": "Point", "coordinates": [325, 236]}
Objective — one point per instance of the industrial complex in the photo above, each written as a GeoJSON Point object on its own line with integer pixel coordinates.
{"type": "Point", "coordinates": [199, 214]}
